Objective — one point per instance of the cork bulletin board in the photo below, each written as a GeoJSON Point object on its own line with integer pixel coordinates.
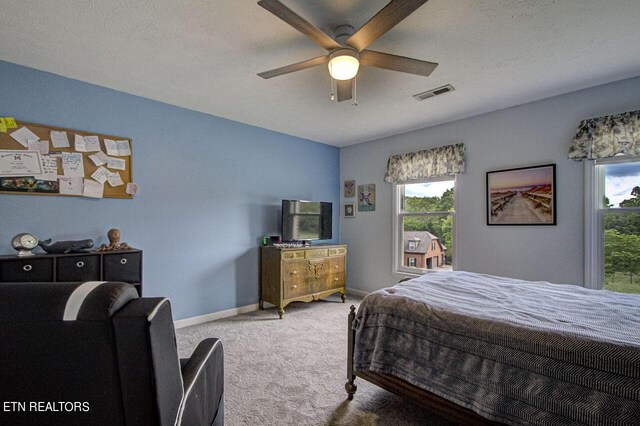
{"type": "Point", "coordinates": [30, 183]}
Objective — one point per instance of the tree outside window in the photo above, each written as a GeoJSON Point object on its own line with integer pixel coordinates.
{"type": "Point", "coordinates": [620, 216]}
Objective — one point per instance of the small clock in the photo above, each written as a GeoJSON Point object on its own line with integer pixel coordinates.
{"type": "Point", "coordinates": [24, 243]}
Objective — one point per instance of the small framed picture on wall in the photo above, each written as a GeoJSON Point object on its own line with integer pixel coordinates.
{"type": "Point", "coordinates": [349, 188]}
{"type": "Point", "coordinates": [350, 210]}
{"type": "Point", "coordinates": [367, 197]}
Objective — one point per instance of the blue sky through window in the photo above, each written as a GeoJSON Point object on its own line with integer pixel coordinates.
{"type": "Point", "coordinates": [620, 179]}
{"type": "Point", "coordinates": [430, 189]}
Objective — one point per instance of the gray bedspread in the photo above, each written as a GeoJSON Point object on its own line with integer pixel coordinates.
{"type": "Point", "coordinates": [514, 351]}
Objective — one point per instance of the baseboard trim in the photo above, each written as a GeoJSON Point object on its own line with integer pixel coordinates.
{"type": "Point", "coordinates": [186, 322]}
{"type": "Point", "coordinates": [355, 292]}
{"type": "Point", "coordinates": [200, 319]}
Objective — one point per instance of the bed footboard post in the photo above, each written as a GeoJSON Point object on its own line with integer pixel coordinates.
{"type": "Point", "coordinates": [350, 386]}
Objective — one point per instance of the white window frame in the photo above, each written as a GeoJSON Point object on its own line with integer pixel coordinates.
{"type": "Point", "coordinates": [397, 246]}
{"type": "Point", "coordinates": [594, 192]}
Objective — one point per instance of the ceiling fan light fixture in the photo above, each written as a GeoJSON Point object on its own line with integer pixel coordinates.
{"type": "Point", "coordinates": [344, 64]}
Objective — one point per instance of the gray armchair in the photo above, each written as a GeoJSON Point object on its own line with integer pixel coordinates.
{"type": "Point", "coordinates": [96, 353]}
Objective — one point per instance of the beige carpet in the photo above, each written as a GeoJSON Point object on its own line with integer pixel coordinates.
{"type": "Point", "coordinates": [293, 371]}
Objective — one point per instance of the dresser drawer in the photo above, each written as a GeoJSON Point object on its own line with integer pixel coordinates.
{"type": "Point", "coordinates": [337, 251]}
{"type": "Point", "coordinates": [294, 288]}
{"type": "Point", "coordinates": [336, 264]}
{"type": "Point", "coordinates": [316, 253]}
{"type": "Point", "coordinates": [336, 281]}
{"type": "Point", "coordinates": [295, 269]}
{"type": "Point", "coordinates": [26, 270]}
{"type": "Point", "coordinates": [287, 255]}
{"type": "Point", "coordinates": [124, 267]}
{"type": "Point", "coordinates": [78, 268]}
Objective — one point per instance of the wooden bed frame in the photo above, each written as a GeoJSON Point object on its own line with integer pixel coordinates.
{"type": "Point", "coordinates": [434, 403]}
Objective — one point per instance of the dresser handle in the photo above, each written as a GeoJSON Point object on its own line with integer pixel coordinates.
{"type": "Point", "coordinates": [294, 286]}
{"type": "Point", "coordinates": [336, 279]}
{"type": "Point", "coordinates": [80, 264]}
{"type": "Point", "coordinates": [294, 272]}
{"type": "Point", "coordinates": [336, 266]}
{"type": "Point", "coordinates": [27, 268]}
{"type": "Point", "coordinates": [123, 261]}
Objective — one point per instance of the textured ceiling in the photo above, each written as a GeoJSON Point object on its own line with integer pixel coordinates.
{"type": "Point", "coordinates": [204, 55]}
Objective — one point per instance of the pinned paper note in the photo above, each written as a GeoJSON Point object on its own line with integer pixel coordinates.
{"type": "Point", "coordinates": [115, 179]}
{"type": "Point", "coordinates": [92, 143]}
{"type": "Point", "coordinates": [117, 148]}
{"type": "Point", "coordinates": [111, 146]}
{"type": "Point", "coordinates": [49, 168]}
{"type": "Point", "coordinates": [9, 122]}
{"type": "Point", "coordinates": [116, 163]}
{"type": "Point", "coordinates": [40, 146]}
{"type": "Point", "coordinates": [59, 139]}
{"type": "Point", "coordinates": [124, 149]}
{"type": "Point", "coordinates": [79, 143]}
{"type": "Point", "coordinates": [86, 143]}
{"type": "Point", "coordinates": [101, 175]}
{"type": "Point", "coordinates": [23, 135]}
{"type": "Point", "coordinates": [71, 185]}
{"type": "Point", "coordinates": [132, 189]}
{"type": "Point", "coordinates": [72, 164]}
{"type": "Point", "coordinates": [99, 158]}
{"type": "Point", "coordinates": [92, 189]}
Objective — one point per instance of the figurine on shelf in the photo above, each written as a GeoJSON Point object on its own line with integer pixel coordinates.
{"type": "Point", "coordinates": [114, 242]}
{"type": "Point", "coordinates": [61, 247]}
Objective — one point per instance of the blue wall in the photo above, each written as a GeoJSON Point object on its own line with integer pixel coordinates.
{"type": "Point", "coordinates": [210, 188]}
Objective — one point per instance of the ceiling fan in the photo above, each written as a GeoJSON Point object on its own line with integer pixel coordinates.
{"type": "Point", "coordinates": [348, 48]}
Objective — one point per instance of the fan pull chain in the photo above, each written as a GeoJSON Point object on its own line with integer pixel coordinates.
{"type": "Point", "coordinates": [331, 81]}
{"type": "Point", "coordinates": [355, 91]}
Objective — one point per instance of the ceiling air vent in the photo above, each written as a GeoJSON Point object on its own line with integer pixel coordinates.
{"type": "Point", "coordinates": [434, 92]}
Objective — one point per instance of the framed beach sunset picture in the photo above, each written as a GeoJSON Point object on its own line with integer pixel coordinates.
{"type": "Point", "coordinates": [522, 196]}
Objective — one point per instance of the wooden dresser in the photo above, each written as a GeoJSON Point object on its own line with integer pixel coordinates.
{"type": "Point", "coordinates": [301, 274]}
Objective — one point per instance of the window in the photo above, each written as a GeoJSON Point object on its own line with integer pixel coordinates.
{"type": "Point", "coordinates": [612, 232]}
{"type": "Point", "coordinates": [424, 210]}
{"type": "Point", "coordinates": [412, 262]}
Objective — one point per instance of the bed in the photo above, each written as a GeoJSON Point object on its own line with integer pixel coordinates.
{"type": "Point", "coordinates": [484, 349]}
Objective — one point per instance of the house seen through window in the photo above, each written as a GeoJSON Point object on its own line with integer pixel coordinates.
{"type": "Point", "coordinates": [424, 230]}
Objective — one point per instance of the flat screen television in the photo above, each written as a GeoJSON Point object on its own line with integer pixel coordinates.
{"type": "Point", "coordinates": [306, 220]}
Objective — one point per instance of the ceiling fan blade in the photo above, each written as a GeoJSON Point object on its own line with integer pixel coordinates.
{"type": "Point", "coordinates": [297, 22]}
{"type": "Point", "coordinates": [383, 21]}
{"type": "Point", "coordinates": [371, 58]}
{"type": "Point", "coordinates": [295, 67]}
{"type": "Point", "coordinates": [344, 89]}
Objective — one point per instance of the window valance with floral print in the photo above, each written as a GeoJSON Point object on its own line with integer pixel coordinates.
{"type": "Point", "coordinates": [442, 161]}
{"type": "Point", "coordinates": [607, 136]}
